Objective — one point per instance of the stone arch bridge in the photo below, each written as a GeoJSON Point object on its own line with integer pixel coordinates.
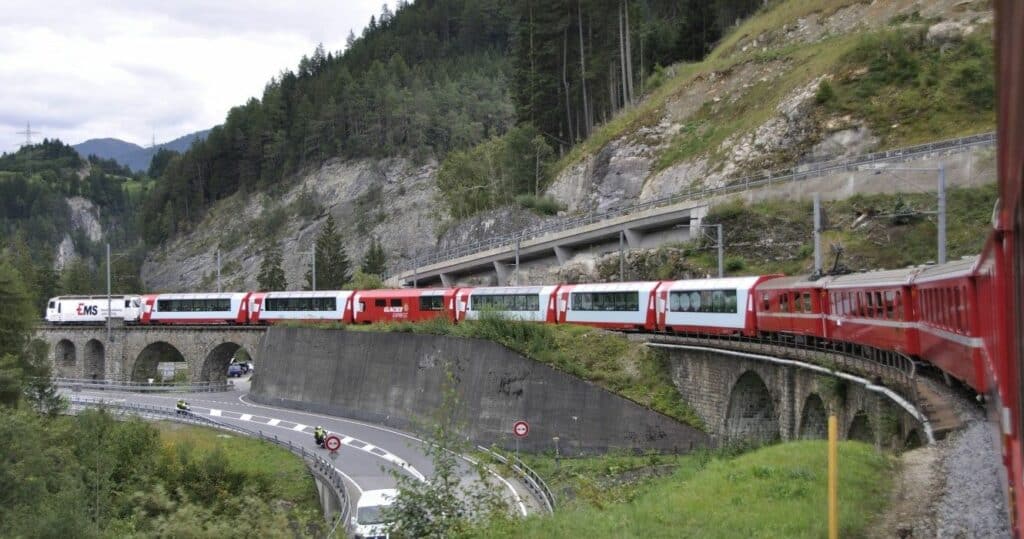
{"type": "Point", "coordinates": [131, 353]}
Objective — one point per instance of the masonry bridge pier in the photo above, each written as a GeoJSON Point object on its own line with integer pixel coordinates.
{"type": "Point", "coordinates": [132, 353]}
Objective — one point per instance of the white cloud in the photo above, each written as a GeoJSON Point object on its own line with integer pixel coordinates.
{"type": "Point", "coordinates": [132, 68]}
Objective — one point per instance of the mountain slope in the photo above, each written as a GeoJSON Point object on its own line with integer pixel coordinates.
{"type": "Point", "coordinates": [132, 155]}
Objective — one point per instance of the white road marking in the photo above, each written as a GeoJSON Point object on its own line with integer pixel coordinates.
{"type": "Point", "coordinates": [299, 427]}
{"type": "Point", "coordinates": [398, 461]}
{"type": "Point", "coordinates": [273, 422]}
{"type": "Point", "coordinates": [246, 417]}
{"type": "Point", "coordinates": [214, 413]}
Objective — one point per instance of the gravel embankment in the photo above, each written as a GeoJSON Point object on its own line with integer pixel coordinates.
{"type": "Point", "coordinates": [972, 504]}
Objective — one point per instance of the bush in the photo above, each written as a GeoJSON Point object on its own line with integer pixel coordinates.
{"type": "Point", "coordinates": [543, 205]}
{"type": "Point", "coordinates": [825, 93]}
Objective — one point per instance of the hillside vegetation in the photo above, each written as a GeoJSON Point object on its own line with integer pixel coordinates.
{"type": "Point", "coordinates": [777, 491]}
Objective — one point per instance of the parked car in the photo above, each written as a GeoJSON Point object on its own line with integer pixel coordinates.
{"type": "Point", "coordinates": [235, 369]}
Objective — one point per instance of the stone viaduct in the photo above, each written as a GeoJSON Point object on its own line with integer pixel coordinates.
{"type": "Point", "coordinates": [132, 352]}
{"type": "Point", "coordinates": [736, 397]}
{"type": "Point", "coordinates": [745, 398]}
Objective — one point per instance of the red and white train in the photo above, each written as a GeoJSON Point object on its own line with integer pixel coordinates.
{"type": "Point", "coordinates": [964, 317]}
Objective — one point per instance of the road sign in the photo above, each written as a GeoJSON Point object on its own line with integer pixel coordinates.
{"type": "Point", "coordinates": [332, 442]}
{"type": "Point", "coordinates": [521, 429]}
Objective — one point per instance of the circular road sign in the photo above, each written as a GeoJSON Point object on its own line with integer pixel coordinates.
{"type": "Point", "coordinates": [332, 442]}
{"type": "Point", "coordinates": [521, 429]}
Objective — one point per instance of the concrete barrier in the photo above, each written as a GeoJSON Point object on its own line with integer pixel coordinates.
{"type": "Point", "coordinates": [397, 379]}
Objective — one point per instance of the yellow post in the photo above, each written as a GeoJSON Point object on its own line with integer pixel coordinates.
{"type": "Point", "coordinates": [833, 478]}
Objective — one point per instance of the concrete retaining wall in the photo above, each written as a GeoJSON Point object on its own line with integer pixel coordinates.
{"type": "Point", "coordinates": [398, 380]}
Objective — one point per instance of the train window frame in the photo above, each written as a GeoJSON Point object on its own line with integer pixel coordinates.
{"type": "Point", "coordinates": [806, 302]}
{"type": "Point", "coordinates": [431, 303]}
{"type": "Point", "coordinates": [396, 302]}
{"type": "Point", "coordinates": [380, 302]}
{"type": "Point", "coordinates": [766, 301]}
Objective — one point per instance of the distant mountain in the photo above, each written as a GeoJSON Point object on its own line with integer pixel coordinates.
{"type": "Point", "coordinates": [132, 155]}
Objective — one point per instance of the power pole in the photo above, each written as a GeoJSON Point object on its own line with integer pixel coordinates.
{"type": "Point", "coordinates": [942, 214]}
{"type": "Point", "coordinates": [28, 132]}
{"type": "Point", "coordinates": [817, 233]}
{"type": "Point", "coordinates": [622, 256]}
{"type": "Point", "coordinates": [218, 270]}
{"type": "Point", "coordinates": [721, 253]}
{"type": "Point", "coordinates": [109, 300]}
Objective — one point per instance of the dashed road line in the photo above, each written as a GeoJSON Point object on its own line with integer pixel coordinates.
{"type": "Point", "coordinates": [299, 427]}
{"type": "Point", "coordinates": [274, 422]}
{"type": "Point", "coordinates": [214, 413]}
{"type": "Point", "coordinates": [246, 417]}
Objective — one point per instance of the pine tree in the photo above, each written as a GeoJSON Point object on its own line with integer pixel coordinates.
{"type": "Point", "coordinates": [375, 261]}
{"type": "Point", "coordinates": [332, 265]}
{"type": "Point", "coordinates": [271, 275]}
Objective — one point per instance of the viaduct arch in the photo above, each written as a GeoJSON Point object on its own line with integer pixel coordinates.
{"type": "Point", "coordinates": [133, 353]}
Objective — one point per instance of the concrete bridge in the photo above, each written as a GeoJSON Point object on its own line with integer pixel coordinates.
{"type": "Point", "coordinates": [132, 353]}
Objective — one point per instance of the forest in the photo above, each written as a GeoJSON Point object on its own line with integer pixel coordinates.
{"type": "Point", "coordinates": [494, 90]}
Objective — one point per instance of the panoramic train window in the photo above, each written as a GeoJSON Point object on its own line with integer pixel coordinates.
{"type": "Point", "coordinates": [606, 301]}
{"type": "Point", "coordinates": [505, 302]}
{"type": "Point", "coordinates": [708, 301]}
{"type": "Point", "coordinates": [431, 303]}
{"type": "Point", "coordinates": [193, 305]}
{"type": "Point", "coordinates": [301, 304]}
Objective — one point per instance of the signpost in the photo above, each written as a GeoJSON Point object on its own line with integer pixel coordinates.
{"type": "Point", "coordinates": [520, 429]}
{"type": "Point", "coordinates": [332, 442]}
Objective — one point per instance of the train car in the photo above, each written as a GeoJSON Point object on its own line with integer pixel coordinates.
{"type": "Point", "coordinates": [403, 305]}
{"type": "Point", "coordinates": [1001, 268]}
{"type": "Point", "coordinates": [874, 309]}
{"type": "Point", "coordinates": [216, 308]}
{"type": "Point", "coordinates": [792, 306]}
{"type": "Point", "coordinates": [949, 334]}
{"type": "Point", "coordinates": [313, 306]}
{"type": "Point", "coordinates": [628, 306]}
{"type": "Point", "coordinates": [712, 306]}
{"type": "Point", "coordinates": [92, 309]}
{"type": "Point", "coordinates": [531, 303]}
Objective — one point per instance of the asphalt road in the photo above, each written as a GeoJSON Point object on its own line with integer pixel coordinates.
{"type": "Point", "coordinates": [369, 457]}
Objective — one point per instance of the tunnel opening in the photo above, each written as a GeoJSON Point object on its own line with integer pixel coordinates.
{"type": "Point", "coordinates": [813, 420]}
{"type": "Point", "coordinates": [751, 414]}
{"type": "Point", "coordinates": [215, 366]}
{"type": "Point", "coordinates": [160, 361]}
{"type": "Point", "coordinates": [95, 360]}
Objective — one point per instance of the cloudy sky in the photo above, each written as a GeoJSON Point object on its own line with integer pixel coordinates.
{"type": "Point", "coordinates": [130, 69]}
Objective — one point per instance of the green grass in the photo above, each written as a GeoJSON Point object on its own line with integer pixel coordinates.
{"type": "Point", "coordinates": [285, 475]}
{"type": "Point", "coordinates": [775, 236]}
{"type": "Point", "coordinates": [911, 91]}
{"type": "Point", "coordinates": [608, 359]}
{"type": "Point", "coordinates": [778, 491]}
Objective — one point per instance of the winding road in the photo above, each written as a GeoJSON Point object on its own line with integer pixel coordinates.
{"type": "Point", "coordinates": [369, 457]}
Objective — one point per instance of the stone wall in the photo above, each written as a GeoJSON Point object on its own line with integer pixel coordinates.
{"type": "Point", "coordinates": [399, 379]}
{"type": "Point", "coordinates": [742, 398]}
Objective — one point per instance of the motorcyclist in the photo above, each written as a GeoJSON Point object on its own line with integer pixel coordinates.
{"type": "Point", "coordinates": [319, 434]}
{"type": "Point", "coordinates": [182, 406]}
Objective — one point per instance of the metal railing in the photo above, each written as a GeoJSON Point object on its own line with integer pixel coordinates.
{"type": "Point", "coordinates": [533, 481]}
{"type": "Point", "coordinates": [805, 170]}
{"type": "Point", "coordinates": [317, 465]}
{"type": "Point", "coordinates": [140, 387]}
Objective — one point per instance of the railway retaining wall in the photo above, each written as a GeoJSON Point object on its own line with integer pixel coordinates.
{"type": "Point", "coordinates": [399, 379]}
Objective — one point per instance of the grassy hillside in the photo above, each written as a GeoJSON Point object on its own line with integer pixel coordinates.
{"type": "Point", "coordinates": [778, 491]}
{"type": "Point", "coordinates": [884, 75]}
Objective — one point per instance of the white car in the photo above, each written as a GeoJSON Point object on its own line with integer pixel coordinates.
{"type": "Point", "coordinates": [368, 522]}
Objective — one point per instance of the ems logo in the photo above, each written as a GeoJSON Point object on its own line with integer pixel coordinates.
{"type": "Point", "coordinates": [84, 309]}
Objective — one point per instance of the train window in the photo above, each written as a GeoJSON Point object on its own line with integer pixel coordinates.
{"type": "Point", "coordinates": [606, 301]}
{"type": "Point", "coordinates": [765, 301]}
{"type": "Point", "coordinates": [807, 302]}
{"type": "Point", "coordinates": [300, 304]}
{"type": "Point", "coordinates": [431, 303]}
{"type": "Point", "coordinates": [966, 312]}
{"type": "Point", "coordinates": [380, 303]}
{"type": "Point", "coordinates": [396, 302]}
{"type": "Point", "coordinates": [897, 305]}
{"type": "Point", "coordinates": [784, 302]}
{"type": "Point", "coordinates": [952, 308]}
{"type": "Point", "coordinates": [505, 302]}
{"type": "Point", "coordinates": [705, 301]}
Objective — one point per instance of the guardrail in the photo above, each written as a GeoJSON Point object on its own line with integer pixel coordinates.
{"type": "Point", "coordinates": [317, 464]}
{"type": "Point", "coordinates": [530, 478]}
{"type": "Point", "coordinates": [141, 387]}
{"type": "Point", "coordinates": [805, 170]}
